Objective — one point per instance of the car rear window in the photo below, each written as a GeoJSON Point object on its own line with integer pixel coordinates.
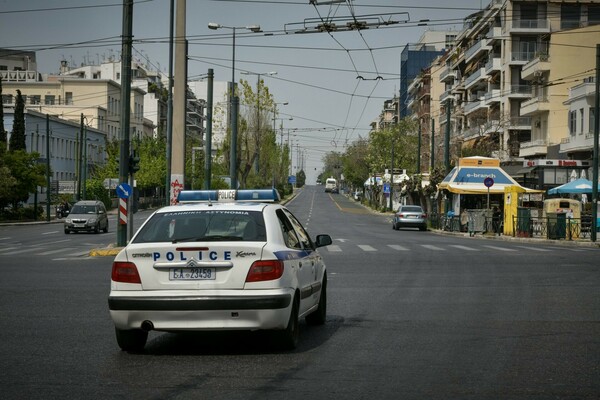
{"type": "Point", "coordinates": [411, 209]}
{"type": "Point", "coordinates": [205, 225]}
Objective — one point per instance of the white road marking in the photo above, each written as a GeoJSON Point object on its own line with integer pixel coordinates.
{"type": "Point", "coordinates": [366, 247]}
{"type": "Point", "coordinates": [432, 247]}
{"type": "Point", "coordinates": [333, 248]}
{"type": "Point", "coordinates": [499, 248]}
{"type": "Point", "coordinates": [458, 246]}
{"type": "Point", "coordinates": [8, 248]}
{"type": "Point", "coordinates": [50, 233]}
{"type": "Point", "coordinates": [534, 248]}
{"type": "Point", "coordinates": [54, 251]}
{"type": "Point", "coordinates": [398, 247]}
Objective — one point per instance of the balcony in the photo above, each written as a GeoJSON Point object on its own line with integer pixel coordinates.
{"type": "Point", "coordinates": [448, 75]}
{"type": "Point", "coordinates": [584, 89]}
{"type": "Point", "coordinates": [475, 104]}
{"type": "Point", "coordinates": [493, 96]}
{"type": "Point", "coordinates": [520, 91]}
{"type": "Point", "coordinates": [495, 34]}
{"type": "Point", "coordinates": [530, 26]}
{"type": "Point", "coordinates": [577, 143]}
{"type": "Point", "coordinates": [478, 48]}
{"type": "Point", "coordinates": [19, 76]}
{"type": "Point", "coordinates": [493, 64]}
{"type": "Point", "coordinates": [539, 65]}
{"type": "Point", "coordinates": [520, 123]}
{"type": "Point", "coordinates": [535, 105]}
{"type": "Point", "coordinates": [474, 78]}
{"type": "Point", "coordinates": [522, 57]}
{"type": "Point", "coordinates": [533, 148]}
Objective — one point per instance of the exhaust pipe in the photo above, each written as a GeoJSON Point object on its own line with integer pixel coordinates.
{"type": "Point", "coordinates": [147, 325]}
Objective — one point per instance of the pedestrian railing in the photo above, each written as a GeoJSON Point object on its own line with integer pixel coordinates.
{"type": "Point", "coordinates": [556, 226]}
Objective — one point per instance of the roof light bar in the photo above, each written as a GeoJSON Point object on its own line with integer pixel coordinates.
{"type": "Point", "coordinates": [224, 196]}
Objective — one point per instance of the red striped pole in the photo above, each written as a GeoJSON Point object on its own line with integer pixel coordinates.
{"type": "Point", "coordinates": [122, 211]}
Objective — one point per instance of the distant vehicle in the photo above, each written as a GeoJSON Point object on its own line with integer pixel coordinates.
{"type": "Point", "coordinates": [331, 185]}
{"type": "Point", "coordinates": [410, 216]}
{"type": "Point", "coordinates": [87, 215]}
{"type": "Point", "coordinates": [358, 195]}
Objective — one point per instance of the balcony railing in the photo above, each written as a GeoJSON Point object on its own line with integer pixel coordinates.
{"type": "Point", "coordinates": [474, 77]}
{"type": "Point", "coordinates": [523, 56]}
{"type": "Point", "coordinates": [530, 24]}
{"type": "Point", "coordinates": [473, 50]}
{"type": "Point", "coordinates": [520, 90]}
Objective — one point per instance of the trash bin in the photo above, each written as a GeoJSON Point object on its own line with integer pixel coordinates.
{"type": "Point", "coordinates": [557, 225]}
{"type": "Point", "coordinates": [524, 227]}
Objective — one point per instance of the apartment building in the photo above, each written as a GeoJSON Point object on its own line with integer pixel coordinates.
{"type": "Point", "coordinates": [578, 145]}
{"type": "Point", "coordinates": [493, 83]}
{"type": "Point", "coordinates": [388, 116]}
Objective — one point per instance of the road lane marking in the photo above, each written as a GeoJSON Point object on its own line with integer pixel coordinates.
{"type": "Point", "coordinates": [17, 252]}
{"type": "Point", "coordinates": [9, 248]}
{"type": "Point", "coordinates": [499, 248]}
{"type": "Point", "coordinates": [5, 238]}
{"type": "Point", "coordinates": [398, 247]}
{"type": "Point", "coordinates": [50, 233]}
{"type": "Point", "coordinates": [534, 248]}
{"type": "Point", "coordinates": [333, 248]}
{"type": "Point", "coordinates": [458, 246]}
{"type": "Point", "coordinates": [366, 247]}
{"type": "Point", "coordinates": [49, 243]}
{"type": "Point", "coordinates": [55, 251]}
{"type": "Point", "coordinates": [432, 247]}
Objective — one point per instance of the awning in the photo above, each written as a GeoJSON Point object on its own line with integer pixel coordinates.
{"type": "Point", "coordinates": [470, 180]}
{"type": "Point", "coordinates": [524, 171]}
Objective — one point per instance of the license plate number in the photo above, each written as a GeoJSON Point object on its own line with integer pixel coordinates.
{"type": "Point", "coordinates": [78, 225]}
{"type": "Point", "coordinates": [191, 274]}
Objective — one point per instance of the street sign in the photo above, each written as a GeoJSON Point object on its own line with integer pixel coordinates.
{"type": "Point", "coordinates": [386, 188]}
{"type": "Point", "coordinates": [292, 179]}
{"type": "Point", "coordinates": [488, 182]}
{"type": "Point", "coordinates": [124, 191]}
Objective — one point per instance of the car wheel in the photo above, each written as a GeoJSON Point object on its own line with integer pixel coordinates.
{"type": "Point", "coordinates": [288, 338]}
{"type": "Point", "coordinates": [131, 340]}
{"type": "Point", "coordinates": [105, 230]}
{"type": "Point", "coordinates": [97, 228]}
{"type": "Point", "coordinates": [67, 231]}
{"type": "Point", "coordinates": [422, 228]}
{"type": "Point", "coordinates": [319, 316]}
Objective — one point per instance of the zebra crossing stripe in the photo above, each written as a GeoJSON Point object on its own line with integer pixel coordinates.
{"type": "Point", "coordinates": [366, 247]}
{"type": "Point", "coordinates": [398, 247]}
{"type": "Point", "coordinates": [432, 247]}
{"type": "Point", "coordinates": [458, 246]}
{"type": "Point", "coordinates": [499, 248]}
{"type": "Point", "coordinates": [332, 248]}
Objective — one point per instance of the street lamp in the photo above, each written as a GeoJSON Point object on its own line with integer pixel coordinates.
{"type": "Point", "coordinates": [233, 107]}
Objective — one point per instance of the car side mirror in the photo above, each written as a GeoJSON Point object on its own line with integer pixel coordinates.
{"type": "Point", "coordinates": [323, 240]}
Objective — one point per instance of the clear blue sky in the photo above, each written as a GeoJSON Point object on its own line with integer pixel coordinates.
{"type": "Point", "coordinates": [316, 73]}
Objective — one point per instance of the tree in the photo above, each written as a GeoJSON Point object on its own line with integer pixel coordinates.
{"type": "Point", "coordinates": [29, 174]}
{"type": "Point", "coordinates": [2, 130]}
{"type": "Point", "coordinates": [17, 137]}
{"type": "Point", "coordinates": [354, 163]}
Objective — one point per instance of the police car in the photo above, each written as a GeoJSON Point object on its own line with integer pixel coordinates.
{"type": "Point", "coordinates": [219, 260]}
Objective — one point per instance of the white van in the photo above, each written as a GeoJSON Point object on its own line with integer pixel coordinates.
{"type": "Point", "coordinates": [331, 185]}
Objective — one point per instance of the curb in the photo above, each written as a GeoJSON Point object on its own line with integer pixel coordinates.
{"type": "Point", "coordinates": [105, 252]}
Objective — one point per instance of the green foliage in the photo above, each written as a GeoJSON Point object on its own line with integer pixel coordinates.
{"type": "Point", "coordinates": [153, 155]}
{"type": "Point", "coordinates": [3, 134]}
{"type": "Point", "coordinates": [95, 191]}
{"type": "Point", "coordinates": [27, 173]}
{"type": "Point", "coordinates": [17, 137]}
{"type": "Point", "coordinates": [300, 178]}
{"type": "Point", "coordinates": [354, 162]}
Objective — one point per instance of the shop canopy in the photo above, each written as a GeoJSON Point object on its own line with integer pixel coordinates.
{"type": "Point", "coordinates": [471, 176]}
{"type": "Point", "coordinates": [578, 186]}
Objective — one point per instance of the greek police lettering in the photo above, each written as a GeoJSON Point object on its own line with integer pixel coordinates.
{"type": "Point", "coordinates": [182, 256]}
{"type": "Point", "coordinates": [136, 255]}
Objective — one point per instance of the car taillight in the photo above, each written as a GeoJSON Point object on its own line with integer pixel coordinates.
{"type": "Point", "coordinates": [125, 272]}
{"type": "Point", "coordinates": [423, 215]}
{"type": "Point", "coordinates": [265, 270]}
{"type": "Point", "coordinates": [400, 215]}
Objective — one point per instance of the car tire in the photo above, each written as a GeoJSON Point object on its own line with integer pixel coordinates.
{"type": "Point", "coordinates": [97, 228]}
{"type": "Point", "coordinates": [287, 339]}
{"type": "Point", "coordinates": [131, 340]}
{"type": "Point", "coordinates": [67, 231]}
{"type": "Point", "coordinates": [422, 228]}
{"type": "Point", "coordinates": [105, 230]}
{"type": "Point", "coordinates": [319, 316]}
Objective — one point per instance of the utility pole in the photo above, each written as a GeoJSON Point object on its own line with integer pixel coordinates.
{"type": "Point", "coordinates": [170, 106]}
{"type": "Point", "coordinates": [419, 149]}
{"type": "Point", "coordinates": [125, 114]}
{"type": "Point", "coordinates": [179, 104]}
{"type": "Point", "coordinates": [447, 139]}
{"type": "Point", "coordinates": [48, 190]}
{"type": "Point", "coordinates": [595, 161]}
{"type": "Point", "coordinates": [208, 139]}
{"type": "Point", "coordinates": [432, 144]}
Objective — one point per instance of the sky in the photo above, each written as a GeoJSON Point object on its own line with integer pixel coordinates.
{"type": "Point", "coordinates": [335, 84]}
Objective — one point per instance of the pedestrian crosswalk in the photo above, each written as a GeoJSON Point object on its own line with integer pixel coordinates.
{"type": "Point", "coordinates": [48, 251]}
{"type": "Point", "coordinates": [507, 248]}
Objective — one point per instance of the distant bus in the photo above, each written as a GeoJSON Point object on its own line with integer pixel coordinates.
{"type": "Point", "coordinates": [331, 185]}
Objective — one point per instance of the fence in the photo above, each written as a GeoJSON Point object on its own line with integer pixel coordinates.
{"type": "Point", "coordinates": [556, 226]}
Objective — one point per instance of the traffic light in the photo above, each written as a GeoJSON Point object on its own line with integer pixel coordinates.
{"type": "Point", "coordinates": [134, 163]}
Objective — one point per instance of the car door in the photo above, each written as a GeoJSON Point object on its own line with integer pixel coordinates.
{"type": "Point", "coordinates": [311, 266]}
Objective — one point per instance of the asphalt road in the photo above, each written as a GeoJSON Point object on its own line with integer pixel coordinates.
{"type": "Point", "coordinates": [411, 315]}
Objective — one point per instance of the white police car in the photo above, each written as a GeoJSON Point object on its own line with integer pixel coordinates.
{"type": "Point", "coordinates": [220, 260]}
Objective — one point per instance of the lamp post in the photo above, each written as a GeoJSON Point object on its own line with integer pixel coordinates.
{"type": "Point", "coordinates": [233, 102]}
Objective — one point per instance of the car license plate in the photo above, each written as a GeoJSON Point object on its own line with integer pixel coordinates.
{"type": "Point", "coordinates": [191, 274]}
{"type": "Point", "coordinates": [78, 225]}
{"type": "Point", "coordinates": [412, 216]}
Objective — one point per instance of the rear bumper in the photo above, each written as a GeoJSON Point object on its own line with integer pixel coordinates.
{"type": "Point", "coordinates": [196, 313]}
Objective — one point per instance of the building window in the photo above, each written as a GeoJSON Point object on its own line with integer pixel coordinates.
{"type": "Point", "coordinates": [593, 14]}
{"type": "Point", "coordinates": [570, 15]}
{"type": "Point", "coordinates": [49, 100]}
{"type": "Point", "coordinates": [572, 122]}
{"type": "Point", "coordinates": [592, 123]}
{"type": "Point", "coordinates": [35, 99]}
{"type": "Point", "coordinates": [69, 98]}
{"type": "Point", "coordinates": [7, 99]}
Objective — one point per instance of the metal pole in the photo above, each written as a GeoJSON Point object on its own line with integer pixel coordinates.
{"type": "Point", "coordinates": [233, 150]}
{"type": "Point", "coordinates": [419, 149]}
{"type": "Point", "coordinates": [170, 106]}
{"type": "Point", "coordinates": [595, 161]}
{"type": "Point", "coordinates": [447, 141]}
{"type": "Point", "coordinates": [257, 124]}
{"type": "Point", "coordinates": [125, 108]}
{"type": "Point", "coordinates": [48, 167]}
{"type": "Point", "coordinates": [79, 156]}
{"type": "Point", "coordinates": [208, 139]}
{"type": "Point", "coordinates": [85, 162]}
{"type": "Point", "coordinates": [432, 144]}
{"type": "Point", "coordinates": [392, 179]}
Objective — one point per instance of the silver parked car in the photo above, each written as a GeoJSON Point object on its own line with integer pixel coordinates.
{"type": "Point", "coordinates": [87, 215]}
{"type": "Point", "coordinates": [410, 216]}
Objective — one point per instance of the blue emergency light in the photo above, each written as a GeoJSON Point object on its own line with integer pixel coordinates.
{"type": "Point", "coordinates": [223, 196]}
